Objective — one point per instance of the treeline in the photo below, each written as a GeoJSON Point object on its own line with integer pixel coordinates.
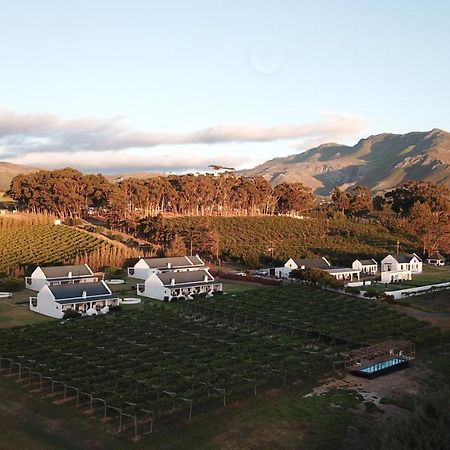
{"type": "Point", "coordinates": [416, 207]}
{"type": "Point", "coordinates": [69, 193]}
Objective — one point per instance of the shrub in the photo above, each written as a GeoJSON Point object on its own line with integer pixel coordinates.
{"type": "Point", "coordinates": [10, 284]}
{"type": "Point", "coordinates": [115, 309]}
{"type": "Point", "coordinates": [71, 314]}
{"type": "Point", "coordinates": [371, 293]}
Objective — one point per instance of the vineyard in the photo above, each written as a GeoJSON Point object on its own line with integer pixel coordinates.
{"type": "Point", "coordinates": [253, 238]}
{"type": "Point", "coordinates": [24, 247]}
{"type": "Point", "coordinates": [157, 365]}
{"type": "Point", "coordinates": [318, 313]}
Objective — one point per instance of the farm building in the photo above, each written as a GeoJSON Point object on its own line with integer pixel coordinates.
{"type": "Point", "coordinates": [167, 286]}
{"type": "Point", "coordinates": [57, 275]}
{"type": "Point", "coordinates": [366, 266]}
{"type": "Point", "coordinates": [299, 263]}
{"type": "Point", "coordinates": [436, 259]}
{"type": "Point", "coordinates": [345, 274]}
{"type": "Point", "coordinates": [147, 266]}
{"type": "Point", "coordinates": [402, 262]}
{"type": "Point", "coordinates": [87, 298]}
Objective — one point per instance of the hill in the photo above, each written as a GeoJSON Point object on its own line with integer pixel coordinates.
{"type": "Point", "coordinates": [380, 162]}
{"type": "Point", "coordinates": [8, 171]}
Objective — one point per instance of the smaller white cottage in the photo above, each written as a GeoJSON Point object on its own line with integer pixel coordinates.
{"type": "Point", "coordinates": [147, 266]}
{"type": "Point", "coordinates": [366, 266]}
{"type": "Point", "coordinates": [345, 274]}
{"type": "Point", "coordinates": [168, 286]}
{"type": "Point", "coordinates": [88, 299]}
{"type": "Point", "coordinates": [57, 275]}
{"type": "Point", "coordinates": [436, 259]}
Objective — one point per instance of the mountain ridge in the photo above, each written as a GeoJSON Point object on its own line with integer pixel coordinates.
{"type": "Point", "coordinates": [380, 161]}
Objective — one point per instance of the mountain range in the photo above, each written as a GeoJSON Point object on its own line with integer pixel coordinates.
{"type": "Point", "coordinates": [380, 162]}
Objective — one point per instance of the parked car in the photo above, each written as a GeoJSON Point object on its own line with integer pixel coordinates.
{"type": "Point", "coordinates": [242, 274]}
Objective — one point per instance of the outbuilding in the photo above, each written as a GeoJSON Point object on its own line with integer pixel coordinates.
{"type": "Point", "coordinates": [436, 259]}
{"type": "Point", "coordinates": [366, 266]}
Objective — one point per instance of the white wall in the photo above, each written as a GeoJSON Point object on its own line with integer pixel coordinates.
{"type": "Point", "coordinates": [46, 304]}
{"type": "Point", "coordinates": [416, 290]}
{"type": "Point", "coordinates": [154, 288]}
{"type": "Point", "coordinates": [38, 280]}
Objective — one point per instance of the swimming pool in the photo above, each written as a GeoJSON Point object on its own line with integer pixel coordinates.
{"type": "Point", "coordinates": [382, 367]}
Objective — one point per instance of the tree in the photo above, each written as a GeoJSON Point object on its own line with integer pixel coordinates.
{"type": "Point", "coordinates": [340, 200]}
{"type": "Point", "coordinates": [360, 201]}
{"type": "Point", "coordinates": [293, 198]}
{"type": "Point", "coordinates": [176, 247]}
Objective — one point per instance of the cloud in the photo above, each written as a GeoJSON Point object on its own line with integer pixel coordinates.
{"type": "Point", "coordinates": [45, 139]}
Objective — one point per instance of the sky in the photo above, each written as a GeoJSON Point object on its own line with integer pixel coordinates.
{"type": "Point", "coordinates": [174, 86]}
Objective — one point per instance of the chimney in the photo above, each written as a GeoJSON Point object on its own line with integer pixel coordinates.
{"type": "Point", "coordinates": [84, 295]}
{"type": "Point", "coordinates": [69, 274]}
{"type": "Point", "coordinates": [169, 265]}
{"type": "Point", "coordinates": [172, 281]}
{"type": "Point", "coordinates": [205, 278]}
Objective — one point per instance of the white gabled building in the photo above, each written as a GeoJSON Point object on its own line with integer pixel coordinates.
{"type": "Point", "coordinates": [57, 275]}
{"type": "Point", "coordinates": [298, 263]}
{"type": "Point", "coordinates": [167, 286]}
{"type": "Point", "coordinates": [147, 266]}
{"type": "Point", "coordinates": [436, 259]}
{"type": "Point", "coordinates": [88, 298]}
{"type": "Point", "coordinates": [366, 266]}
{"type": "Point", "coordinates": [400, 267]}
{"type": "Point", "coordinates": [404, 261]}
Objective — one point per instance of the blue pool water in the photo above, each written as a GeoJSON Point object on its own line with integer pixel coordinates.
{"type": "Point", "coordinates": [382, 365]}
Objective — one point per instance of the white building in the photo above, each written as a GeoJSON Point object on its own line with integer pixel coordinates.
{"type": "Point", "coordinates": [298, 263]}
{"type": "Point", "coordinates": [436, 259]}
{"type": "Point", "coordinates": [402, 262]}
{"type": "Point", "coordinates": [366, 266]}
{"type": "Point", "coordinates": [345, 274]}
{"type": "Point", "coordinates": [88, 298]}
{"type": "Point", "coordinates": [167, 286]}
{"type": "Point", "coordinates": [147, 266]}
{"type": "Point", "coordinates": [57, 275]}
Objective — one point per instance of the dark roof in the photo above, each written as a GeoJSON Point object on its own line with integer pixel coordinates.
{"type": "Point", "coordinates": [368, 262]}
{"type": "Point", "coordinates": [75, 291]}
{"type": "Point", "coordinates": [175, 262]}
{"type": "Point", "coordinates": [310, 263]}
{"type": "Point", "coordinates": [436, 255]}
{"type": "Point", "coordinates": [63, 271]}
{"type": "Point", "coordinates": [190, 276]}
{"type": "Point", "coordinates": [405, 257]}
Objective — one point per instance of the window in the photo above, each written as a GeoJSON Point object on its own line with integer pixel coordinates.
{"type": "Point", "coordinates": [34, 302]}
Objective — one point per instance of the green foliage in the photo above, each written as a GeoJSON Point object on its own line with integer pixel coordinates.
{"type": "Point", "coordinates": [238, 238]}
{"type": "Point", "coordinates": [9, 283]}
{"type": "Point", "coordinates": [158, 359]}
{"type": "Point", "coordinates": [71, 314]}
{"type": "Point", "coordinates": [29, 246]}
{"type": "Point", "coordinates": [331, 314]}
